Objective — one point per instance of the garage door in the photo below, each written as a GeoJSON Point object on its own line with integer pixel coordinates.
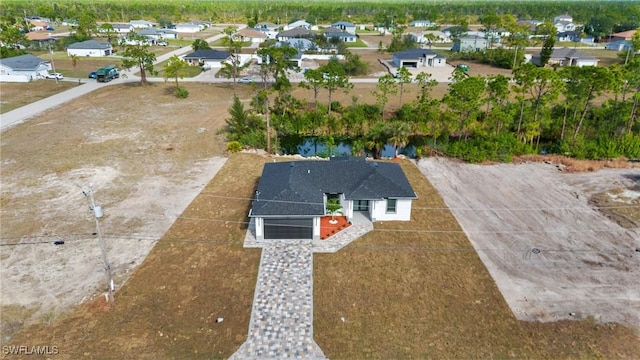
{"type": "Point", "coordinates": [288, 228]}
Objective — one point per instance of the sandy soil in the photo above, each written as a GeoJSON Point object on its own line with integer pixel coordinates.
{"type": "Point", "coordinates": [552, 254]}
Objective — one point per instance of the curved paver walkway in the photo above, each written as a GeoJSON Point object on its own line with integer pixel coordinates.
{"type": "Point", "coordinates": [281, 324]}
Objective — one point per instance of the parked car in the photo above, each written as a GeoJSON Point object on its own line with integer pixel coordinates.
{"type": "Point", "coordinates": [54, 76]}
{"type": "Point", "coordinates": [245, 80]}
{"type": "Point", "coordinates": [162, 43]}
{"type": "Point", "coordinates": [93, 75]}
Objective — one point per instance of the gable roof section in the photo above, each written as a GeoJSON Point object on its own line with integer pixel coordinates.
{"type": "Point", "coordinates": [24, 62]}
{"type": "Point", "coordinates": [90, 44]}
{"type": "Point", "coordinates": [248, 32]}
{"type": "Point", "coordinates": [415, 54]}
{"type": "Point", "coordinates": [297, 188]}
{"type": "Point", "coordinates": [343, 23]}
{"type": "Point", "coordinates": [208, 54]}
{"type": "Point", "coordinates": [296, 32]}
{"type": "Point", "coordinates": [567, 53]}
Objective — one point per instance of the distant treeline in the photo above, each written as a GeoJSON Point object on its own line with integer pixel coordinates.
{"type": "Point", "coordinates": [613, 14]}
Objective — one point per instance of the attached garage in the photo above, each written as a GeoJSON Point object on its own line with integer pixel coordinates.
{"type": "Point", "coordinates": [288, 228]}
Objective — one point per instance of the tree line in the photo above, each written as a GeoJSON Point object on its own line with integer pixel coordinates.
{"type": "Point", "coordinates": [584, 112]}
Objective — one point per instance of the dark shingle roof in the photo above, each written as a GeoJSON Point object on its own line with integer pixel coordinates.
{"type": "Point", "coordinates": [90, 44]}
{"type": "Point", "coordinates": [413, 53]}
{"type": "Point", "coordinates": [297, 188]}
{"type": "Point", "coordinates": [208, 55]}
{"type": "Point", "coordinates": [22, 62]}
{"type": "Point", "coordinates": [295, 32]}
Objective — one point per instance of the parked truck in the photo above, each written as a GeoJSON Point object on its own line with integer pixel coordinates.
{"type": "Point", "coordinates": [107, 74]}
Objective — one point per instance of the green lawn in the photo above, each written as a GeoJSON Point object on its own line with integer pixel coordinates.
{"type": "Point", "coordinates": [358, 44]}
{"type": "Point", "coordinates": [190, 71]}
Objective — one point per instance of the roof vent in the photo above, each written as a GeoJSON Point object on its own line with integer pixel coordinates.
{"type": "Point", "coordinates": [308, 171]}
{"type": "Point", "coordinates": [291, 164]}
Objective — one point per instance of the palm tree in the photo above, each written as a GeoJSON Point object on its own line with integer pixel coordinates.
{"type": "Point", "coordinates": [333, 207]}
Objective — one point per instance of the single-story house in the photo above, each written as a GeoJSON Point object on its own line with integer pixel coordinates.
{"type": "Point", "coordinates": [157, 34]}
{"type": "Point", "coordinates": [298, 24]}
{"type": "Point", "coordinates": [566, 36]}
{"type": "Point", "coordinates": [141, 24]}
{"type": "Point", "coordinates": [27, 67]}
{"type": "Point", "coordinates": [417, 58]}
{"type": "Point", "coordinates": [37, 25]}
{"type": "Point", "coordinates": [292, 196]}
{"type": "Point", "coordinates": [345, 26]}
{"type": "Point", "coordinates": [335, 33]}
{"type": "Point", "coordinates": [90, 48]}
{"type": "Point", "coordinates": [266, 26]}
{"type": "Point", "coordinates": [300, 44]}
{"type": "Point", "coordinates": [122, 28]}
{"type": "Point", "coordinates": [470, 44]}
{"type": "Point", "coordinates": [563, 17]}
{"type": "Point", "coordinates": [296, 33]}
{"type": "Point", "coordinates": [189, 27]}
{"type": "Point", "coordinates": [428, 36]}
{"type": "Point", "coordinates": [209, 58]}
{"type": "Point", "coordinates": [250, 35]}
{"type": "Point", "coordinates": [567, 57]}
{"type": "Point", "coordinates": [420, 23]}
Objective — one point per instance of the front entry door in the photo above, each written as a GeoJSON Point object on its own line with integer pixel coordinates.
{"type": "Point", "coordinates": [361, 205]}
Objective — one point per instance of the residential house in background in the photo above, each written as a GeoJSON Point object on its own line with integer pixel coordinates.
{"type": "Point", "coordinates": [23, 68]}
{"type": "Point", "coordinates": [567, 57]}
{"type": "Point", "coordinates": [565, 23]}
{"type": "Point", "coordinates": [267, 28]}
{"type": "Point", "coordinates": [620, 45]}
{"type": "Point", "coordinates": [345, 26]}
{"type": "Point", "coordinates": [189, 27]}
{"type": "Point", "coordinates": [418, 58]}
{"type": "Point", "coordinates": [250, 35]}
{"type": "Point", "coordinates": [335, 33]}
{"type": "Point", "coordinates": [122, 28]}
{"type": "Point", "coordinates": [157, 34]}
{"type": "Point", "coordinates": [625, 35]}
{"type": "Point", "coordinates": [295, 33]}
{"type": "Point", "coordinates": [427, 37]}
{"type": "Point", "coordinates": [291, 196]}
{"type": "Point", "coordinates": [469, 44]}
{"type": "Point", "coordinates": [420, 23]}
{"type": "Point", "coordinates": [298, 24]}
{"type": "Point", "coordinates": [302, 45]}
{"type": "Point", "coordinates": [141, 24]}
{"type": "Point", "coordinates": [208, 58]}
{"type": "Point", "coordinates": [90, 48]}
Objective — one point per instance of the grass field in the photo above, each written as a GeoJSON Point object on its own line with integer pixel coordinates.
{"type": "Point", "coordinates": [15, 95]}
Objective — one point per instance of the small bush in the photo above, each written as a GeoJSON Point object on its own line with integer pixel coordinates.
{"type": "Point", "coordinates": [234, 146]}
{"type": "Point", "coordinates": [181, 93]}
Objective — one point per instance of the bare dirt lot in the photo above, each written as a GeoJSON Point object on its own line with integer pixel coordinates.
{"type": "Point", "coordinates": [147, 159]}
{"type": "Point", "coordinates": [551, 252]}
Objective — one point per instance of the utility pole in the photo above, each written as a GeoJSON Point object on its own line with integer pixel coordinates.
{"type": "Point", "coordinates": [97, 213]}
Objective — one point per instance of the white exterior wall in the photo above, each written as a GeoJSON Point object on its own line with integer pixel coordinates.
{"type": "Point", "coordinates": [259, 228]}
{"type": "Point", "coordinates": [379, 210]}
{"type": "Point", "coordinates": [316, 228]}
{"type": "Point", "coordinates": [347, 207]}
{"type": "Point", "coordinates": [187, 28]}
{"type": "Point", "coordinates": [15, 78]}
{"type": "Point", "coordinates": [86, 52]}
{"type": "Point", "coordinates": [581, 63]}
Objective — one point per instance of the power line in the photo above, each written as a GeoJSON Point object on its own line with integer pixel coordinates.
{"type": "Point", "coordinates": [586, 208]}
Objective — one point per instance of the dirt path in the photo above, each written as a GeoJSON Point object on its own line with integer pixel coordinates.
{"type": "Point", "coordinates": [552, 255]}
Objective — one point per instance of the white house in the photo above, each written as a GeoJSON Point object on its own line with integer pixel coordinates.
{"type": "Point", "coordinates": [299, 24]}
{"type": "Point", "coordinates": [90, 48]}
{"type": "Point", "coordinates": [295, 33]}
{"type": "Point", "coordinates": [122, 28]}
{"type": "Point", "coordinates": [208, 58]}
{"type": "Point", "coordinates": [345, 26]}
{"type": "Point", "coordinates": [420, 23]}
{"type": "Point", "coordinates": [23, 68]}
{"type": "Point", "coordinates": [291, 196]}
{"type": "Point", "coordinates": [157, 34]}
{"type": "Point", "coordinates": [189, 27]}
{"type": "Point", "coordinates": [343, 36]}
{"type": "Point", "coordinates": [567, 57]}
{"type": "Point", "coordinates": [418, 58]}
{"type": "Point", "coordinates": [141, 24]}
{"type": "Point", "coordinates": [428, 36]}
{"type": "Point", "coordinates": [470, 44]}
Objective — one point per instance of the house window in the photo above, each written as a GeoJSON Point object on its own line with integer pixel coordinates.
{"type": "Point", "coordinates": [391, 206]}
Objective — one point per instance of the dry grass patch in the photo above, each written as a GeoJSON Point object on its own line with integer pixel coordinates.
{"type": "Point", "coordinates": [195, 274]}
{"type": "Point", "coordinates": [406, 290]}
{"type": "Point", "coordinates": [15, 95]}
